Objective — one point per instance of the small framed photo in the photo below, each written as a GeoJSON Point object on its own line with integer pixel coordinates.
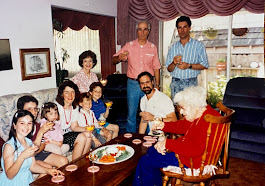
{"type": "Point", "coordinates": [35, 63]}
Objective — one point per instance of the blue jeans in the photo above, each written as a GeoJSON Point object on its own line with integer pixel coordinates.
{"type": "Point", "coordinates": [148, 168]}
{"type": "Point", "coordinates": [178, 85]}
{"type": "Point", "coordinates": [134, 94]}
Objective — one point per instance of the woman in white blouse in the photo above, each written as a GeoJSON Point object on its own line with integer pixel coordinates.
{"type": "Point", "coordinates": [74, 135]}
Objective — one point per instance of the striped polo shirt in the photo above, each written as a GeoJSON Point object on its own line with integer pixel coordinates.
{"type": "Point", "coordinates": [194, 52]}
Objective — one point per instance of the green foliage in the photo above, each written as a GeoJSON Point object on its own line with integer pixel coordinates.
{"type": "Point", "coordinates": [210, 33]}
{"type": "Point", "coordinates": [216, 90]}
{"type": "Point", "coordinates": [222, 59]}
{"type": "Point", "coordinates": [167, 90]}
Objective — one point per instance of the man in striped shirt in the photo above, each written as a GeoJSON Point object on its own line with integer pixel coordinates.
{"type": "Point", "coordinates": [186, 58]}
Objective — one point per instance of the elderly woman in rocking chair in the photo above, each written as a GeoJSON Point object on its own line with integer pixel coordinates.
{"type": "Point", "coordinates": [193, 107]}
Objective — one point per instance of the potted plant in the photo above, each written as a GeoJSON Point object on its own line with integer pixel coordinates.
{"type": "Point", "coordinates": [216, 91]}
{"type": "Point", "coordinates": [221, 64]}
{"type": "Point", "coordinates": [210, 33]}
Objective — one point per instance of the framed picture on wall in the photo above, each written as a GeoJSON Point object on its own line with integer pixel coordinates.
{"type": "Point", "coordinates": [5, 55]}
{"type": "Point", "coordinates": [35, 63]}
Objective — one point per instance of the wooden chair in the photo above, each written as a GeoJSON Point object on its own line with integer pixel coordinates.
{"type": "Point", "coordinates": [212, 152]}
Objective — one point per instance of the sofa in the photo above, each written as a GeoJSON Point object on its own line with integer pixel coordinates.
{"type": "Point", "coordinates": [246, 96]}
{"type": "Point", "coordinates": [8, 106]}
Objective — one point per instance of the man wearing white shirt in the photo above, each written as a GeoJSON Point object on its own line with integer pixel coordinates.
{"type": "Point", "coordinates": [154, 104]}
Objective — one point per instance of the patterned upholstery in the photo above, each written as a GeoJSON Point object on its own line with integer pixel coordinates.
{"type": "Point", "coordinates": [8, 106]}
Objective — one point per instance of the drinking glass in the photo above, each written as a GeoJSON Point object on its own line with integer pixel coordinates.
{"type": "Point", "coordinates": [103, 81]}
{"type": "Point", "coordinates": [93, 157]}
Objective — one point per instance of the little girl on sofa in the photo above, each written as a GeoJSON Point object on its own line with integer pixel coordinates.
{"type": "Point", "coordinates": [54, 137]}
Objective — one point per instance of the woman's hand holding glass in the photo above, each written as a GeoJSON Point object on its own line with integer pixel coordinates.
{"type": "Point", "coordinates": [158, 125]}
{"type": "Point", "coordinates": [161, 147]}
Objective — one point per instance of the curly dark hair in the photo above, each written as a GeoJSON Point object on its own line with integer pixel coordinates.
{"type": "Point", "coordinates": [94, 85]}
{"type": "Point", "coordinates": [86, 54]}
{"type": "Point", "coordinates": [182, 19]}
{"type": "Point", "coordinates": [59, 97]}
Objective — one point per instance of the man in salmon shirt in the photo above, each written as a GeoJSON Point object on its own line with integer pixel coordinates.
{"type": "Point", "coordinates": [141, 56]}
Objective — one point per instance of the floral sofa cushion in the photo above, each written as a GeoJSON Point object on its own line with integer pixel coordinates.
{"type": "Point", "coordinates": [8, 106]}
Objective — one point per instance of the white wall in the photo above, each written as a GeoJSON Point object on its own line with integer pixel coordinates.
{"type": "Point", "coordinates": [103, 7]}
{"type": "Point", "coordinates": [28, 24]}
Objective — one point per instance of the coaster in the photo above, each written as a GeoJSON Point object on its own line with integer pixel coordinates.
{"type": "Point", "coordinates": [137, 141]}
{"type": "Point", "coordinates": [127, 135]}
{"type": "Point", "coordinates": [147, 137]}
{"type": "Point", "coordinates": [93, 169]}
{"type": "Point", "coordinates": [147, 144]}
{"type": "Point", "coordinates": [151, 140]}
{"type": "Point", "coordinates": [71, 168]}
{"type": "Point", "coordinates": [57, 179]}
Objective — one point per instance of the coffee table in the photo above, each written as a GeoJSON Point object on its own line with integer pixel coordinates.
{"type": "Point", "coordinates": [108, 175]}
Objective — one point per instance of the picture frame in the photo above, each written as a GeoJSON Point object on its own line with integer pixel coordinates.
{"type": "Point", "coordinates": [35, 63]}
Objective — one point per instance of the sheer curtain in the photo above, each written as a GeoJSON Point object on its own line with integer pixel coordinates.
{"type": "Point", "coordinates": [76, 42]}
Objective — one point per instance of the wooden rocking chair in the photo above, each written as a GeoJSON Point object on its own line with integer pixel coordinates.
{"type": "Point", "coordinates": [211, 153]}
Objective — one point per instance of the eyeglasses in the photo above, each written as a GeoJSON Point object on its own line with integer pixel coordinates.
{"type": "Point", "coordinates": [36, 109]}
{"type": "Point", "coordinates": [140, 29]}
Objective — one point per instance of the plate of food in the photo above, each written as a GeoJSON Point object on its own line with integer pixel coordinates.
{"type": "Point", "coordinates": [112, 154]}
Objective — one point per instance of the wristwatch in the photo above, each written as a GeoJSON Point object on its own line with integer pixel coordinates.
{"type": "Point", "coordinates": [190, 67]}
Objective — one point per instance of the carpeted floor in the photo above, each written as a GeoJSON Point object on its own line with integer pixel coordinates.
{"type": "Point", "coordinates": [244, 173]}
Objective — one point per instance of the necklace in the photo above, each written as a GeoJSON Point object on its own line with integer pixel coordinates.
{"type": "Point", "coordinates": [184, 137]}
{"type": "Point", "coordinates": [67, 122]}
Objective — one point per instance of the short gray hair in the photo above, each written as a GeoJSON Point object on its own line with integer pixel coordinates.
{"type": "Point", "coordinates": [191, 96]}
{"type": "Point", "coordinates": [143, 21]}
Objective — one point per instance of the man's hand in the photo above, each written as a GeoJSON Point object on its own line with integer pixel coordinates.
{"type": "Point", "coordinates": [183, 65]}
{"type": "Point", "coordinates": [147, 116]}
{"type": "Point", "coordinates": [177, 60]}
{"type": "Point", "coordinates": [123, 56]}
{"type": "Point", "coordinates": [161, 147]}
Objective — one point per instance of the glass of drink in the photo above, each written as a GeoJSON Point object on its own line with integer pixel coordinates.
{"type": "Point", "coordinates": [90, 128]}
{"type": "Point", "coordinates": [52, 124]}
{"type": "Point", "coordinates": [93, 157]}
{"type": "Point", "coordinates": [108, 103]}
{"type": "Point", "coordinates": [101, 123]}
{"type": "Point", "coordinates": [103, 81]}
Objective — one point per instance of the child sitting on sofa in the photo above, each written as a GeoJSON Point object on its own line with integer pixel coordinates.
{"type": "Point", "coordinates": [42, 157]}
{"type": "Point", "coordinates": [102, 112]}
{"type": "Point", "coordinates": [54, 137]}
{"type": "Point", "coordinates": [87, 119]}
{"type": "Point", "coordinates": [18, 153]}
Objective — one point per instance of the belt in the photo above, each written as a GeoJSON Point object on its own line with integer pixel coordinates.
{"type": "Point", "coordinates": [132, 79]}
